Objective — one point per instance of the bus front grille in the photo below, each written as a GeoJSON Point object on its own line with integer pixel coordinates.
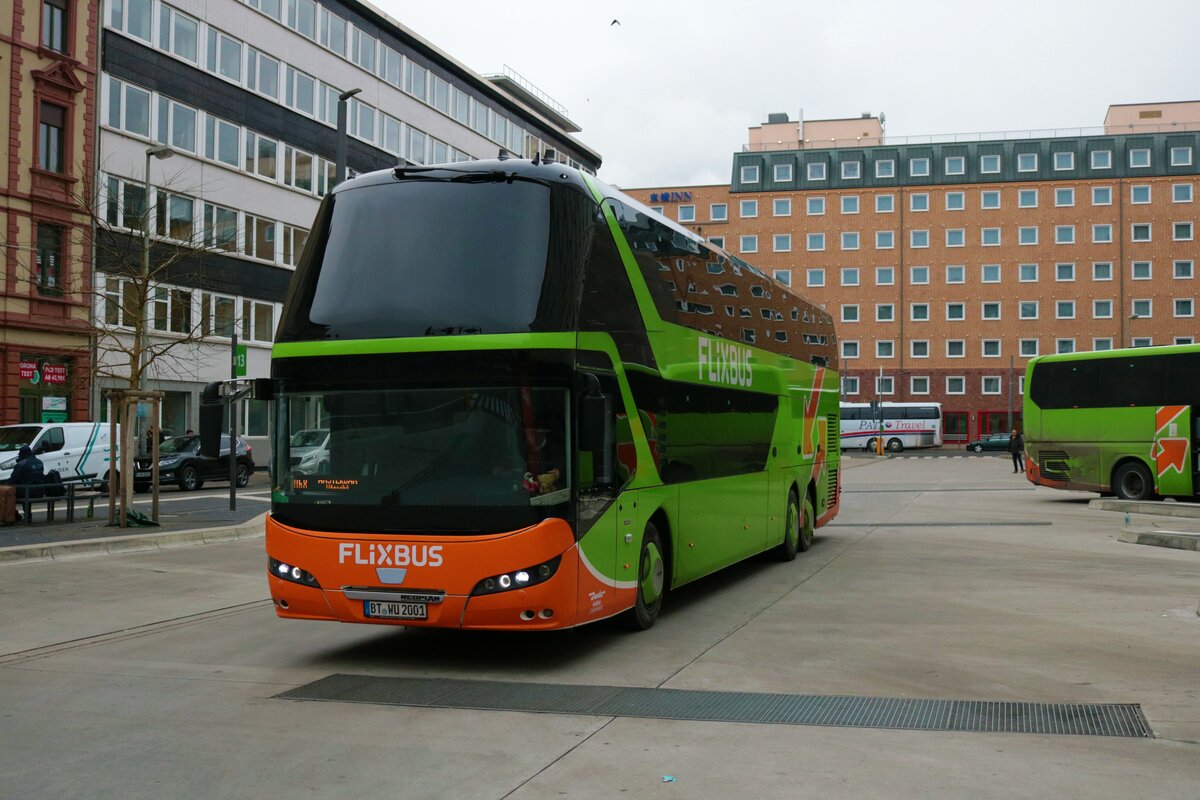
{"type": "Point", "coordinates": [1054, 464]}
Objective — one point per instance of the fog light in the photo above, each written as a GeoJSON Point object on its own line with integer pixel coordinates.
{"type": "Point", "coordinates": [546, 613]}
{"type": "Point", "coordinates": [527, 615]}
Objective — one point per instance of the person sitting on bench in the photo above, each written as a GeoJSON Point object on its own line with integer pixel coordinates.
{"type": "Point", "coordinates": [27, 475]}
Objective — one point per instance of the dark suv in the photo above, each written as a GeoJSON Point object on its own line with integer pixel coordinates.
{"type": "Point", "coordinates": [179, 460]}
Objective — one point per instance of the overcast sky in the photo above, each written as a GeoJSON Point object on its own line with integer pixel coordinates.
{"type": "Point", "coordinates": [667, 95]}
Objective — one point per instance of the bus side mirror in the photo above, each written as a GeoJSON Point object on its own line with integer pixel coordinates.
{"type": "Point", "coordinates": [212, 418]}
{"type": "Point", "coordinates": [262, 389]}
{"type": "Point", "coordinates": [594, 412]}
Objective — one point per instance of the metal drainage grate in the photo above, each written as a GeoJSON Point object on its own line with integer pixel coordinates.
{"type": "Point", "coordinates": [1102, 719]}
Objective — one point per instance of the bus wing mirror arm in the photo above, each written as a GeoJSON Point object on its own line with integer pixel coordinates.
{"type": "Point", "coordinates": [594, 411]}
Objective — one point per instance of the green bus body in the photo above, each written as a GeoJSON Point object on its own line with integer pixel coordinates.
{"type": "Point", "coordinates": [1120, 422]}
{"type": "Point", "coordinates": [723, 384]}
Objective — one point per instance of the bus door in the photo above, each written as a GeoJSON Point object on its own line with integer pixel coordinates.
{"type": "Point", "coordinates": [1172, 450]}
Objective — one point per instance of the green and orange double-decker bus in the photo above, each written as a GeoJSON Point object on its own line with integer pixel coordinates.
{"type": "Point", "coordinates": [1117, 422]}
{"type": "Point", "coordinates": [538, 404]}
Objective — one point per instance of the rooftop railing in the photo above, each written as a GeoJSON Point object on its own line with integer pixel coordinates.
{"type": "Point", "coordinates": [525, 84]}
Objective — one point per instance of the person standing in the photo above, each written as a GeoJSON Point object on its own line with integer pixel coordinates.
{"type": "Point", "coordinates": [1016, 446]}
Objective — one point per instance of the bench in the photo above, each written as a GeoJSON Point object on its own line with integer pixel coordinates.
{"type": "Point", "coordinates": [26, 499]}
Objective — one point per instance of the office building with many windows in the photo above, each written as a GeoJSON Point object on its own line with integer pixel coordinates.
{"type": "Point", "coordinates": [232, 106]}
{"type": "Point", "coordinates": [948, 262]}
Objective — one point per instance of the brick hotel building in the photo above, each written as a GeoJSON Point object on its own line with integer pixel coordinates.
{"type": "Point", "coordinates": [947, 264]}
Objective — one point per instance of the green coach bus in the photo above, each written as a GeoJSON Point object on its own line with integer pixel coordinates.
{"type": "Point", "coordinates": [546, 405]}
{"type": "Point", "coordinates": [1122, 422]}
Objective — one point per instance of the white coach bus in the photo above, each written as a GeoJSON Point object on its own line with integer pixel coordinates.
{"type": "Point", "coordinates": [905, 426]}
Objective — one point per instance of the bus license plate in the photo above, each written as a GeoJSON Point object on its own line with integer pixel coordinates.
{"type": "Point", "coordinates": [385, 610]}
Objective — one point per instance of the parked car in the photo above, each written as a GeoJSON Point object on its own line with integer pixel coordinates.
{"type": "Point", "coordinates": [71, 448]}
{"type": "Point", "coordinates": [308, 451]}
{"type": "Point", "coordinates": [994, 441]}
{"type": "Point", "coordinates": [180, 462]}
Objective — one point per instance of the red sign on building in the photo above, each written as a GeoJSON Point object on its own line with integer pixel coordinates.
{"type": "Point", "coordinates": [26, 370]}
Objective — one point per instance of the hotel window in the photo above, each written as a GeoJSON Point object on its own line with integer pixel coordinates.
{"type": "Point", "coordinates": [815, 277]}
{"type": "Point", "coordinates": [258, 238]}
{"type": "Point", "coordinates": [956, 348]}
{"type": "Point", "coordinates": [885, 312]}
{"type": "Point", "coordinates": [885, 384]}
{"type": "Point", "coordinates": [1142, 270]}
{"type": "Point", "coordinates": [138, 19]}
{"type": "Point", "coordinates": [1139, 195]}
{"type": "Point", "coordinates": [989, 273]}
{"type": "Point", "coordinates": [748, 244]}
{"type": "Point", "coordinates": [1064, 345]}
{"type": "Point", "coordinates": [1102, 195]}
{"type": "Point", "coordinates": [220, 228]}
{"type": "Point", "coordinates": [1027, 162]}
{"type": "Point", "coordinates": [48, 277]}
{"type": "Point", "coordinates": [718, 212]}
{"type": "Point", "coordinates": [1027, 198]}
{"type": "Point", "coordinates": [989, 164]}
{"type": "Point", "coordinates": [918, 167]}
{"type": "Point", "coordinates": [52, 124]}
{"type": "Point", "coordinates": [390, 69]}
{"type": "Point", "coordinates": [1141, 232]}
{"type": "Point", "coordinates": [1101, 159]}
{"type": "Point", "coordinates": [956, 384]}
{"type": "Point", "coordinates": [849, 384]}
{"type": "Point", "coordinates": [885, 168]}
{"type": "Point", "coordinates": [990, 348]}
{"type": "Point", "coordinates": [918, 201]}
{"type": "Point", "coordinates": [990, 384]}
{"type": "Point", "coordinates": [1102, 309]}
{"type": "Point", "coordinates": [1064, 272]}
{"type": "Point", "coordinates": [1181, 156]}
{"type": "Point", "coordinates": [750, 174]}
{"type": "Point", "coordinates": [1027, 309]}
{"type": "Point", "coordinates": [687, 213]}
{"type": "Point", "coordinates": [1064, 234]}
{"type": "Point", "coordinates": [990, 310]}
{"type": "Point", "coordinates": [222, 142]}
{"type": "Point", "coordinates": [849, 240]}
{"type": "Point", "coordinates": [989, 198]}
{"type": "Point", "coordinates": [849, 276]}
{"type": "Point", "coordinates": [1107, 344]}
{"type": "Point", "coordinates": [816, 241]}
{"type": "Point", "coordinates": [1185, 340]}
{"type": "Point", "coordinates": [781, 207]}
{"type": "Point", "coordinates": [178, 34]}
{"type": "Point", "coordinates": [919, 348]}
{"type": "Point", "coordinates": [1027, 273]}
{"type": "Point", "coordinates": [1183, 270]}
{"type": "Point", "coordinates": [1028, 235]}
{"type": "Point", "coordinates": [956, 165]}
{"type": "Point", "coordinates": [919, 275]}
{"type": "Point", "coordinates": [1181, 193]}
{"type": "Point", "coordinates": [54, 25]}
{"type": "Point", "coordinates": [885, 203]}
{"type": "Point", "coordinates": [918, 239]}
{"type": "Point", "coordinates": [717, 241]}
{"type": "Point", "coordinates": [1102, 271]}
{"type": "Point", "coordinates": [128, 107]}
{"type": "Point", "coordinates": [850, 204]}
{"type": "Point", "coordinates": [956, 274]}
{"type": "Point", "coordinates": [224, 56]}
{"type": "Point", "coordinates": [262, 73]}
{"type": "Point", "coordinates": [851, 170]}
{"type": "Point", "coordinates": [1184, 306]}
{"type": "Point", "coordinates": [990, 237]}
{"type": "Point", "coordinates": [849, 349]}
{"type": "Point", "coordinates": [177, 124]}
{"type": "Point", "coordinates": [748, 208]}
{"type": "Point", "coordinates": [175, 217]}
{"type": "Point", "coordinates": [918, 312]}
{"type": "Point", "coordinates": [782, 243]}
{"type": "Point", "coordinates": [1064, 196]}
{"type": "Point", "coordinates": [885, 348]}
{"type": "Point", "coordinates": [1143, 309]}
{"type": "Point", "coordinates": [784, 276]}
{"type": "Point", "coordinates": [1064, 161]}
{"type": "Point", "coordinates": [126, 203]}
{"type": "Point", "coordinates": [1028, 348]}
{"type": "Point", "coordinates": [261, 156]}
{"type": "Point", "coordinates": [850, 313]}
{"type": "Point", "coordinates": [1064, 309]}
{"type": "Point", "coordinates": [885, 240]}
{"type": "Point", "coordinates": [1181, 231]}
{"type": "Point", "coordinates": [956, 312]}
{"type": "Point", "coordinates": [815, 206]}
{"type": "Point", "coordinates": [955, 201]}
{"type": "Point", "coordinates": [918, 384]}
{"type": "Point", "coordinates": [885, 276]}
{"type": "Point", "coordinates": [1101, 234]}
{"type": "Point", "coordinates": [783, 173]}
{"type": "Point", "coordinates": [816, 171]}
{"type": "Point", "coordinates": [416, 82]}
{"type": "Point", "coordinates": [293, 244]}
{"type": "Point", "coordinates": [1142, 341]}
{"type": "Point", "coordinates": [1139, 158]}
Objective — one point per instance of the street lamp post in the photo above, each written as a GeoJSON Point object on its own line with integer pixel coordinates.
{"type": "Point", "coordinates": [339, 168]}
{"type": "Point", "coordinates": [158, 151]}
{"type": "Point", "coordinates": [1132, 317]}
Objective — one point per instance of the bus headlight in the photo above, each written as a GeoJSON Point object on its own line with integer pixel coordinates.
{"type": "Point", "coordinates": [291, 573]}
{"type": "Point", "coordinates": [518, 579]}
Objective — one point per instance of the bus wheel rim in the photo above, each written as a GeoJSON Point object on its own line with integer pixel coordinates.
{"type": "Point", "coordinates": [793, 525]}
{"type": "Point", "coordinates": [651, 582]}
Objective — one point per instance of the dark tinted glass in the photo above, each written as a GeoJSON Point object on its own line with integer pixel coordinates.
{"type": "Point", "coordinates": [1116, 382]}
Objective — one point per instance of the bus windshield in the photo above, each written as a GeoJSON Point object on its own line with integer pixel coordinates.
{"type": "Point", "coordinates": [461, 460]}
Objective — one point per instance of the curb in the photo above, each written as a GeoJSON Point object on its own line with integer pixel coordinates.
{"type": "Point", "coordinates": [1158, 508]}
{"type": "Point", "coordinates": [133, 543]}
{"type": "Point", "coordinates": [1176, 540]}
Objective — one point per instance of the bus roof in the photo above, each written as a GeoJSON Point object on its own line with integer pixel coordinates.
{"type": "Point", "coordinates": [1124, 352]}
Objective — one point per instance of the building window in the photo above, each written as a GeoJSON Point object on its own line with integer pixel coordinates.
{"type": "Point", "coordinates": [54, 25]}
{"type": "Point", "coordinates": [955, 201]}
{"type": "Point", "coordinates": [956, 165]}
{"type": "Point", "coordinates": [1027, 198]}
{"type": "Point", "coordinates": [1102, 195]}
{"type": "Point", "coordinates": [748, 244]}
{"type": "Point", "coordinates": [885, 312]}
{"type": "Point", "coordinates": [1027, 309]}
{"type": "Point", "coordinates": [781, 243]}
{"type": "Point", "coordinates": [885, 276]}
{"type": "Point", "coordinates": [918, 239]}
{"type": "Point", "coordinates": [990, 310]}
{"type": "Point", "coordinates": [1027, 235]}
{"type": "Point", "coordinates": [990, 348]}
{"type": "Point", "coordinates": [258, 237]}
{"type": "Point", "coordinates": [1027, 162]}
{"type": "Point", "coordinates": [1185, 340]}
{"type": "Point", "coordinates": [990, 384]}
{"type": "Point", "coordinates": [220, 228]}
{"type": "Point", "coordinates": [175, 217]}
{"type": "Point", "coordinates": [956, 312]}
{"type": "Point", "coordinates": [851, 170]}
{"type": "Point", "coordinates": [918, 201]}
{"type": "Point", "coordinates": [885, 203]}
{"type": "Point", "coordinates": [294, 240]}
{"type": "Point", "coordinates": [718, 212]}
{"type": "Point", "coordinates": [1102, 271]}
{"type": "Point", "coordinates": [1064, 161]}
{"type": "Point", "coordinates": [849, 240]}
{"type": "Point", "coordinates": [815, 206]}
{"type": "Point", "coordinates": [1101, 234]}
{"type": "Point", "coordinates": [748, 209]}
{"type": "Point", "coordinates": [1139, 158]}
{"type": "Point", "coordinates": [956, 348]}
{"type": "Point", "coordinates": [781, 207]}
{"type": "Point", "coordinates": [885, 168]}
{"type": "Point", "coordinates": [1181, 156]}
{"type": "Point", "coordinates": [784, 276]}
{"type": "Point", "coordinates": [956, 384]}
{"type": "Point", "coordinates": [849, 349]}
{"type": "Point", "coordinates": [1064, 345]}
{"type": "Point", "coordinates": [1064, 309]}
{"type": "Point", "coordinates": [717, 241]}
{"type": "Point", "coordinates": [919, 275]}
{"type": "Point", "coordinates": [956, 273]}
{"type": "Point", "coordinates": [1142, 341]}
{"type": "Point", "coordinates": [919, 348]}
{"type": "Point", "coordinates": [687, 213]}
{"type": "Point", "coordinates": [918, 384]}
{"type": "Point", "coordinates": [1102, 309]}
{"type": "Point", "coordinates": [849, 384]}
{"type": "Point", "coordinates": [850, 204]}
{"type": "Point", "coordinates": [783, 173]}
{"type": "Point", "coordinates": [816, 242]}
{"type": "Point", "coordinates": [849, 276]}
{"type": "Point", "coordinates": [918, 312]}
{"type": "Point", "coordinates": [990, 237]}
{"type": "Point", "coordinates": [989, 198]}
{"type": "Point", "coordinates": [1181, 193]}
{"type": "Point", "coordinates": [885, 385]}
{"type": "Point", "coordinates": [918, 167]}
{"type": "Point", "coordinates": [1181, 231]}
{"type": "Point", "coordinates": [1101, 159]}
{"type": "Point", "coordinates": [1064, 234]}
{"type": "Point", "coordinates": [1064, 196]}
{"type": "Point", "coordinates": [885, 348]}
{"type": "Point", "coordinates": [1027, 273]}
{"type": "Point", "coordinates": [1139, 194]}
{"type": "Point", "coordinates": [222, 142]}
{"type": "Point", "coordinates": [1141, 232]}
{"type": "Point", "coordinates": [989, 273]}
{"type": "Point", "coordinates": [1183, 270]}
{"type": "Point", "coordinates": [850, 313]}
{"type": "Point", "coordinates": [1142, 270]}
{"type": "Point", "coordinates": [1064, 272]}
{"type": "Point", "coordinates": [48, 276]}
{"type": "Point", "coordinates": [815, 277]}
{"type": "Point", "coordinates": [816, 171]}
{"type": "Point", "coordinates": [52, 124]}
{"type": "Point", "coordinates": [1102, 344]}
{"type": "Point", "coordinates": [750, 174]}
{"type": "Point", "coordinates": [989, 164]}
{"type": "Point", "coordinates": [1028, 348]}
{"type": "Point", "coordinates": [1184, 306]}
{"type": "Point", "coordinates": [885, 240]}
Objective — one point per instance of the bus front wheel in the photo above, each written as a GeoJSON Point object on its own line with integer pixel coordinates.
{"type": "Point", "coordinates": [1132, 481]}
{"type": "Point", "coordinates": [786, 551]}
{"type": "Point", "coordinates": [651, 582]}
{"type": "Point", "coordinates": [870, 445]}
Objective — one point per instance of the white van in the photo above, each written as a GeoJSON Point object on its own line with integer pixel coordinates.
{"type": "Point", "coordinates": [72, 448]}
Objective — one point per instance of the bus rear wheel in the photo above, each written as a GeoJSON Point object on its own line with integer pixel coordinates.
{"type": "Point", "coordinates": [1132, 481]}
{"type": "Point", "coordinates": [651, 582]}
{"type": "Point", "coordinates": [895, 446]}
